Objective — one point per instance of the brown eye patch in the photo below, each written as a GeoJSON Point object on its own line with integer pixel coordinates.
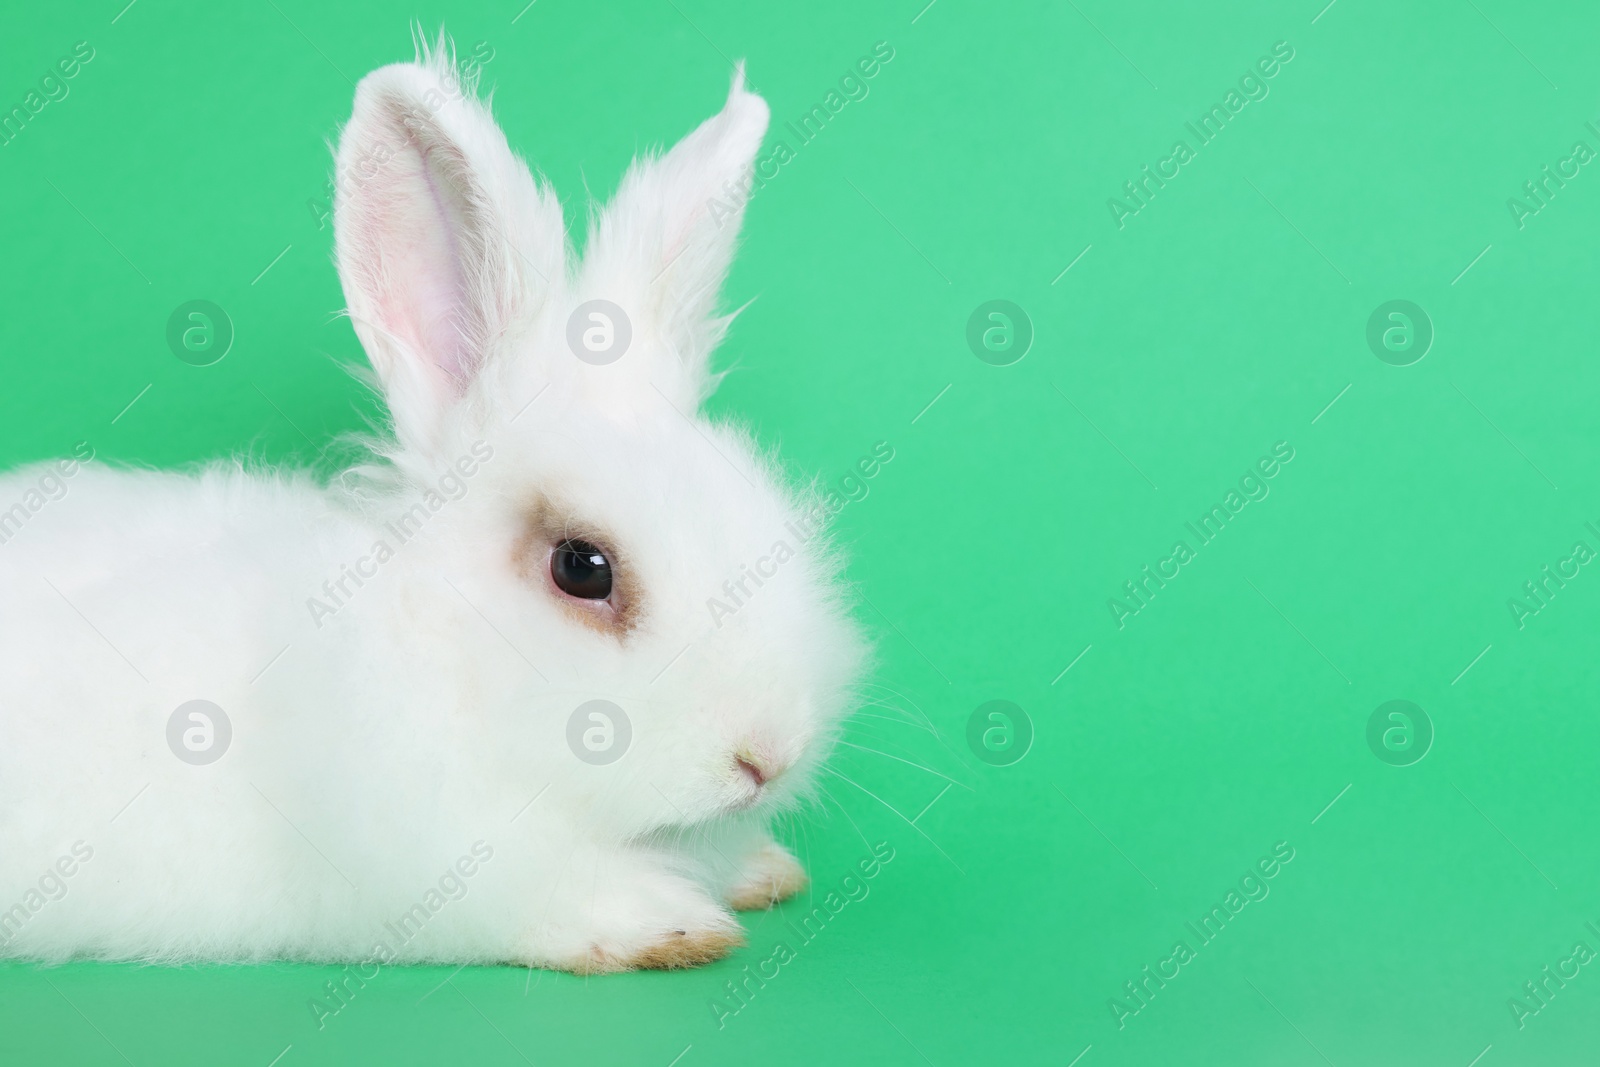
{"type": "Point", "coordinates": [577, 565]}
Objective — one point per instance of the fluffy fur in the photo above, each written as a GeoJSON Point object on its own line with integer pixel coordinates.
{"type": "Point", "coordinates": [416, 725]}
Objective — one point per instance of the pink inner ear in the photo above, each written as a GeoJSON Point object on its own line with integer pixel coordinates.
{"type": "Point", "coordinates": [444, 296]}
{"type": "Point", "coordinates": [421, 286]}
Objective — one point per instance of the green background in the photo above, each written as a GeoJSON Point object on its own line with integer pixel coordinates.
{"type": "Point", "coordinates": [1223, 718]}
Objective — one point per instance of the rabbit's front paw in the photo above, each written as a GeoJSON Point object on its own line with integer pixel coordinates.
{"type": "Point", "coordinates": [682, 948]}
{"type": "Point", "coordinates": [668, 924]}
{"type": "Point", "coordinates": [768, 875]}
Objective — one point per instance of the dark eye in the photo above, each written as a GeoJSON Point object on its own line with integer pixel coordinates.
{"type": "Point", "coordinates": [581, 570]}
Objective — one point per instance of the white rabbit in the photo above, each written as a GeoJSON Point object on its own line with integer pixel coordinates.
{"type": "Point", "coordinates": [403, 767]}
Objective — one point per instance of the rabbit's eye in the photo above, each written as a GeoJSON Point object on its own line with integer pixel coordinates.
{"type": "Point", "coordinates": [581, 570]}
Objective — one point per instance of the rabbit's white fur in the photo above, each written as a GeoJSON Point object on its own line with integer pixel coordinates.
{"type": "Point", "coordinates": [415, 724]}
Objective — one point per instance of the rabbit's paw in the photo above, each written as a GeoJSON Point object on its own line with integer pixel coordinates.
{"type": "Point", "coordinates": [685, 948]}
{"type": "Point", "coordinates": [670, 924]}
{"type": "Point", "coordinates": [768, 875]}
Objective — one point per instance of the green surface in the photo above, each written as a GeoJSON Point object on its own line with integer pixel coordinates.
{"type": "Point", "coordinates": [1222, 318]}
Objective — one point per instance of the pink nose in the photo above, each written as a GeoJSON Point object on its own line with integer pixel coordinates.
{"type": "Point", "coordinates": [753, 769]}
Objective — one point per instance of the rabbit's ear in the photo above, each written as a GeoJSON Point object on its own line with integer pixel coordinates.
{"type": "Point", "coordinates": [446, 244]}
{"type": "Point", "coordinates": [662, 247]}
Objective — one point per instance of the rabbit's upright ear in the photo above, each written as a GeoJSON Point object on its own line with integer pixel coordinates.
{"type": "Point", "coordinates": [662, 247]}
{"type": "Point", "coordinates": [447, 246]}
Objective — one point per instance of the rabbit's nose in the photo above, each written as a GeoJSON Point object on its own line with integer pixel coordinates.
{"type": "Point", "coordinates": [760, 769]}
{"type": "Point", "coordinates": [752, 771]}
